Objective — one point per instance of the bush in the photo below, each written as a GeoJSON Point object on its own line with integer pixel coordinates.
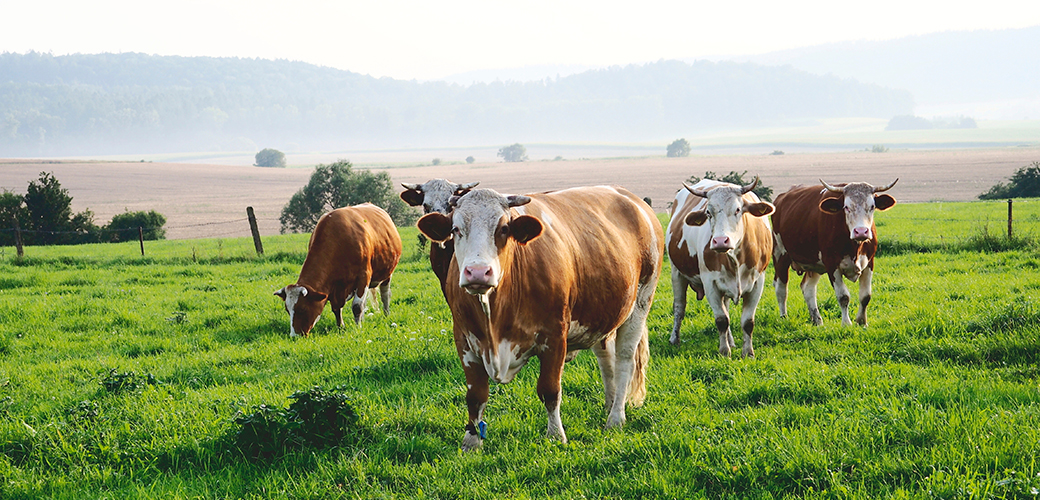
{"type": "Point", "coordinates": [878, 148]}
{"type": "Point", "coordinates": [679, 148]}
{"type": "Point", "coordinates": [268, 157]}
{"type": "Point", "coordinates": [515, 153]}
{"type": "Point", "coordinates": [339, 185]}
{"type": "Point", "coordinates": [316, 418]}
{"type": "Point", "coordinates": [435, 162]}
{"type": "Point", "coordinates": [1024, 183]}
{"type": "Point", "coordinates": [470, 159]}
{"type": "Point", "coordinates": [48, 215]}
{"type": "Point", "coordinates": [124, 226]}
{"type": "Point", "coordinates": [763, 192]}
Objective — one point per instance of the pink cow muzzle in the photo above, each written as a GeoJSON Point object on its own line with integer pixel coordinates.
{"type": "Point", "coordinates": [861, 234]}
{"type": "Point", "coordinates": [478, 279]}
{"type": "Point", "coordinates": [721, 244]}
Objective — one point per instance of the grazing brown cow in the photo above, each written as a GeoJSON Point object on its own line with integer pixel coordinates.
{"type": "Point", "coordinates": [352, 250]}
{"type": "Point", "coordinates": [548, 274]}
{"type": "Point", "coordinates": [433, 196]}
{"type": "Point", "coordinates": [719, 242]}
{"type": "Point", "coordinates": [827, 230]}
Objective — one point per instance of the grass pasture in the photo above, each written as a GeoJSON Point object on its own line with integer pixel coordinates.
{"type": "Point", "coordinates": [937, 398]}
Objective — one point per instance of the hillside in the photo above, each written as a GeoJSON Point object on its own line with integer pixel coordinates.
{"type": "Point", "coordinates": [130, 103]}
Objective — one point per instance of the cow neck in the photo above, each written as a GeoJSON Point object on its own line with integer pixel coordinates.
{"type": "Point", "coordinates": [315, 273]}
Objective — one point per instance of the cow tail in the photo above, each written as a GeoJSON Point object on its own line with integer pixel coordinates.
{"type": "Point", "coordinates": [637, 387]}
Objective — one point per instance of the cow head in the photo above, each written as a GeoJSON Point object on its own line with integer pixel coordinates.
{"type": "Point", "coordinates": [724, 212]}
{"type": "Point", "coordinates": [858, 200]}
{"type": "Point", "coordinates": [304, 306]}
{"type": "Point", "coordinates": [434, 194]}
{"type": "Point", "coordinates": [484, 230]}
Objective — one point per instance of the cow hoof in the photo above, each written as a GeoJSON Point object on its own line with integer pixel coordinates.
{"type": "Point", "coordinates": [674, 340]}
{"type": "Point", "coordinates": [725, 352]}
{"type": "Point", "coordinates": [615, 422]}
{"type": "Point", "coordinates": [749, 353]}
{"type": "Point", "coordinates": [471, 442]}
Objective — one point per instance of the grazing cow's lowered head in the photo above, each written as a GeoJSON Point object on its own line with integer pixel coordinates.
{"type": "Point", "coordinates": [304, 307]}
{"type": "Point", "coordinates": [724, 212]}
{"type": "Point", "coordinates": [434, 194]}
{"type": "Point", "coordinates": [484, 230]}
{"type": "Point", "coordinates": [858, 200]}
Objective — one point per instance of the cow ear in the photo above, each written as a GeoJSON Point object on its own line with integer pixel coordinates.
{"type": "Point", "coordinates": [436, 226]}
{"type": "Point", "coordinates": [525, 228]}
{"type": "Point", "coordinates": [697, 218]}
{"type": "Point", "coordinates": [760, 209]}
{"type": "Point", "coordinates": [281, 293]}
{"type": "Point", "coordinates": [832, 205]}
{"type": "Point", "coordinates": [884, 202]}
{"type": "Point", "coordinates": [413, 197]}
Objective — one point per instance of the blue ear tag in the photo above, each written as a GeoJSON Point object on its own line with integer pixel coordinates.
{"type": "Point", "coordinates": [482, 427]}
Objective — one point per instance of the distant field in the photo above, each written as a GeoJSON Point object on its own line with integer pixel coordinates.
{"type": "Point", "coordinates": [209, 200]}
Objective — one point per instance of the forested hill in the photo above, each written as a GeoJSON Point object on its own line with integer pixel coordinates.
{"type": "Point", "coordinates": [137, 103]}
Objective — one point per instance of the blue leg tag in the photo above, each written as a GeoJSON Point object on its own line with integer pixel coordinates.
{"type": "Point", "coordinates": [482, 427]}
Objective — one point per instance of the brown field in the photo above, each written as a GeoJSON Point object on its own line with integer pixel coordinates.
{"type": "Point", "coordinates": [205, 201]}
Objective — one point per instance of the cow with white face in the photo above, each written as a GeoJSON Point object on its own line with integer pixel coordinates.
{"type": "Point", "coordinates": [545, 275]}
{"type": "Point", "coordinates": [433, 196]}
{"type": "Point", "coordinates": [352, 251]}
{"type": "Point", "coordinates": [828, 231]}
{"type": "Point", "coordinates": [719, 242]}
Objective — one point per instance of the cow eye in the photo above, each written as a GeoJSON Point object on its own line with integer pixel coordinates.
{"type": "Point", "coordinates": [504, 230]}
{"type": "Point", "coordinates": [456, 231]}
{"type": "Point", "coordinates": [847, 209]}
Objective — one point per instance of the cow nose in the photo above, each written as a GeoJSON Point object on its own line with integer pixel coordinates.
{"type": "Point", "coordinates": [861, 233]}
{"type": "Point", "coordinates": [720, 243]}
{"type": "Point", "coordinates": [478, 274]}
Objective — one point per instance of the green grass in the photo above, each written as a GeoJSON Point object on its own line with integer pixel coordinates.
{"type": "Point", "coordinates": [938, 397]}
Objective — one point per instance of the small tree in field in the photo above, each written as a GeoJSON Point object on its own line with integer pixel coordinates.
{"type": "Point", "coordinates": [515, 153]}
{"type": "Point", "coordinates": [1024, 183]}
{"type": "Point", "coordinates": [764, 193]}
{"type": "Point", "coordinates": [12, 207]}
{"type": "Point", "coordinates": [124, 226]}
{"type": "Point", "coordinates": [339, 185]}
{"type": "Point", "coordinates": [48, 215]}
{"type": "Point", "coordinates": [679, 148]}
{"type": "Point", "coordinates": [470, 159]}
{"type": "Point", "coordinates": [270, 158]}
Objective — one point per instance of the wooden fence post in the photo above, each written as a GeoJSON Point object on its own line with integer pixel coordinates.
{"type": "Point", "coordinates": [18, 238]}
{"type": "Point", "coordinates": [140, 237]}
{"type": "Point", "coordinates": [256, 231]}
{"type": "Point", "coordinates": [1009, 219]}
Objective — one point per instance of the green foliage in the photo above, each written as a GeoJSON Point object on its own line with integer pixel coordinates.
{"type": "Point", "coordinates": [119, 383]}
{"type": "Point", "coordinates": [269, 157]}
{"type": "Point", "coordinates": [338, 185]}
{"type": "Point", "coordinates": [1024, 183]}
{"type": "Point", "coordinates": [12, 206]}
{"type": "Point", "coordinates": [776, 152]}
{"type": "Point", "coordinates": [878, 148]}
{"type": "Point", "coordinates": [48, 215]}
{"type": "Point", "coordinates": [470, 159]}
{"type": "Point", "coordinates": [124, 226]}
{"type": "Point", "coordinates": [679, 148]}
{"type": "Point", "coordinates": [435, 162]}
{"type": "Point", "coordinates": [316, 418]}
{"type": "Point", "coordinates": [763, 192]}
{"type": "Point", "coordinates": [513, 153]}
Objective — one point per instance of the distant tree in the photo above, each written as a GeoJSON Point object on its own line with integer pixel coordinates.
{"type": "Point", "coordinates": [12, 206]}
{"type": "Point", "coordinates": [909, 122]}
{"type": "Point", "coordinates": [558, 158]}
{"type": "Point", "coordinates": [679, 148]}
{"type": "Point", "coordinates": [339, 185]}
{"type": "Point", "coordinates": [1024, 183]}
{"type": "Point", "coordinates": [124, 226]}
{"type": "Point", "coordinates": [764, 192]}
{"type": "Point", "coordinates": [436, 161]}
{"type": "Point", "coordinates": [776, 152]}
{"type": "Point", "coordinates": [878, 148]}
{"type": "Point", "coordinates": [515, 153]}
{"type": "Point", "coordinates": [268, 157]}
{"type": "Point", "coordinates": [470, 159]}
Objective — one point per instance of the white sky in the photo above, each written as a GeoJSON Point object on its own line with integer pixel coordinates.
{"type": "Point", "coordinates": [429, 39]}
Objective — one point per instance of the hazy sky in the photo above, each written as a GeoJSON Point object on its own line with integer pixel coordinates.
{"type": "Point", "coordinates": [423, 39]}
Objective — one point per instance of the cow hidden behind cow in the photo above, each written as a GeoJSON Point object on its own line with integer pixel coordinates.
{"type": "Point", "coordinates": [433, 196]}
{"type": "Point", "coordinates": [545, 275]}
{"type": "Point", "coordinates": [352, 250]}
{"type": "Point", "coordinates": [719, 243]}
{"type": "Point", "coordinates": [828, 230]}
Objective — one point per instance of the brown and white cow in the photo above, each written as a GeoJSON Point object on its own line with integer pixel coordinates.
{"type": "Point", "coordinates": [719, 243]}
{"type": "Point", "coordinates": [352, 249]}
{"type": "Point", "coordinates": [828, 230]}
{"type": "Point", "coordinates": [545, 275]}
{"type": "Point", "coordinates": [433, 196]}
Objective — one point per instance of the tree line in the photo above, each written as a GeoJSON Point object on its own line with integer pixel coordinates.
{"type": "Point", "coordinates": [121, 103]}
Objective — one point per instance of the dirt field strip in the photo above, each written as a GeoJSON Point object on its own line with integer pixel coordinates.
{"type": "Point", "coordinates": [205, 201]}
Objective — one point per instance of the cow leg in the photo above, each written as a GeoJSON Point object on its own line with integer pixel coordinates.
{"type": "Point", "coordinates": [632, 356]}
{"type": "Point", "coordinates": [605, 356]}
{"type": "Point", "coordinates": [809, 281]}
{"type": "Point", "coordinates": [864, 295]}
{"type": "Point", "coordinates": [358, 305]}
{"type": "Point", "coordinates": [718, 307]}
{"type": "Point", "coordinates": [476, 401]}
{"type": "Point", "coordinates": [781, 274]}
{"type": "Point", "coordinates": [384, 295]}
{"type": "Point", "coordinates": [841, 291]}
{"type": "Point", "coordinates": [337, 299]}
{"type": "Point", "coordinates": [679, 284]}
{"type": "Point", "coordinates": [749, 304]}
{"type": "Point", "coordinates": [549, 383]}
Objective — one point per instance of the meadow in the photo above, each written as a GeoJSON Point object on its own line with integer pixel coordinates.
{"type": "Point", "coordinates": [124, 376]}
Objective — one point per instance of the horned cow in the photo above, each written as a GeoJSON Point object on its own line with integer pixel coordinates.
{"type": "Point", "coordinates": [433, 196]}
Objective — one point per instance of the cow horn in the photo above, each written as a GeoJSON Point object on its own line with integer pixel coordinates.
{"type": "Point", "coordinates": [517, 199]}
{"type": "Point", "coordinates": [831, 188]}
{"type": "Point", "coordinates": [414, 187]}
{"type": "Point", "coordinates": [886, 188]}
{"type": "Point", "coordinates": [749, 187]}
{"type": "Point", "coordinates": [463, 187]}
{"type": "Point", "coordinates": [454, 200]}
{"type": "Point", "coordinates": [696, 192]}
